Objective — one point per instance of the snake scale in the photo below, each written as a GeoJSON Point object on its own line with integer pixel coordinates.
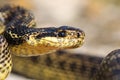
{"type": "Point", "coordinates": [27, 44]}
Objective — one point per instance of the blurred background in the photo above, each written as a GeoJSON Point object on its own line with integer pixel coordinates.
{"type": "Point", "coordinates": [100, 20]}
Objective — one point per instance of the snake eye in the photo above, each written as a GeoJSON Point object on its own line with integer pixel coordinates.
{"type": "Point", "coordinates": [78, 34]}
{"type": "Point", "coordinates": [62, 34]}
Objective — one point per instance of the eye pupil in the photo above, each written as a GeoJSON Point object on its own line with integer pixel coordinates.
{"type": "Point", "coordinates": [78, 35]}
{"type": "Point", "coordinates": [62, 34]}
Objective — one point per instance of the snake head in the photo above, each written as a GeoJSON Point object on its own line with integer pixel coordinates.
{"type": "Point", "coordinates": [62, 37]}
{"type": "Point", "coordinates": [46, 40]}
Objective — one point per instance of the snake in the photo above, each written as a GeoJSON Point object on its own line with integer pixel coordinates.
{"type": "Point", "coordinates": [24, 40]}
{"type": "Point", "coordinates": [25, 49]}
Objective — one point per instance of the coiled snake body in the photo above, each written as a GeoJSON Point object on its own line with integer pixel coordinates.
{"type": "Point", "coordinates": [17, 34]}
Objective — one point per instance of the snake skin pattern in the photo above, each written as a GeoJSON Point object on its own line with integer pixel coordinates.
{"type": "Point", "coordinates": [5, 58]}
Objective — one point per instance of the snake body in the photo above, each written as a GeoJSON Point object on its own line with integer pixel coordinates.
{"type": "Point", "coordinates": [60, 65]}
{"type": "Point", "coordinates": [18, 36]}
{"type": "Point", "coordinates": [5, 57]}
{"type": "Point", "coordinates": [66, 66]}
